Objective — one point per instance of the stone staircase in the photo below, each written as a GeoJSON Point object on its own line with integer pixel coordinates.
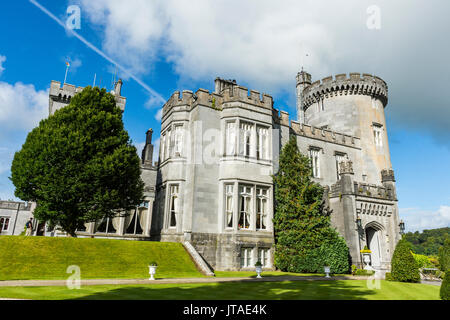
{"type": "Point", "coordinates": [198, 259]}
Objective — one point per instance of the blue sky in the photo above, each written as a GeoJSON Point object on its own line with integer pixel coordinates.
{"type": "Point", "coordinates": [174, 45]}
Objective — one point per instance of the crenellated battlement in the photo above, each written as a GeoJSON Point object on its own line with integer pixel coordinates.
{"type": "Point", "coordinates": [323, 134]}
{"type": "Point", "coordinates": [226, 91]}
{"type": "Point", "coordinates": [343, 84]}
{"type": "Point", "coordinates": [65, 93]}
{"type": "Point", "coordinates": [364, 190]}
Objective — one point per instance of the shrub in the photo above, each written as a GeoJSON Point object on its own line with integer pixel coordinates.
{"type": "Point", "coordinates": [403, 266]}
{"type": "Point", "coordinates": [422, 261]}
{"type": "Point", "coordinates": [363, 272]}
{"type": "Point", "coordinates": [388, 276]}
{"type": "Point", "coordinates": [444, 256]}
{"type": "Point", "coordinates": [445, 287]}
{"type": "Point", "coordinates": [354, 268]}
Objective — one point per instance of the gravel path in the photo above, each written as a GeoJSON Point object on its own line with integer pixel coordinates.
{"type": "Point", "coordinates": [92, 282]}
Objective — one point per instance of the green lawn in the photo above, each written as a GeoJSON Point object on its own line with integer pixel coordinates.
{"type": "Point", "coordinates": [288, 290]}
{"type": "Point", "coordinates": [23, 258]}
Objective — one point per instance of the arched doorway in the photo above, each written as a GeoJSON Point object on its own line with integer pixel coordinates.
{"type": "Point", "coordinates": [373, 235]}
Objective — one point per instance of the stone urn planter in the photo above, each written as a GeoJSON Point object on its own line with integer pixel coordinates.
{"type": "Point", "coordinates": [152, 270]}
{"type": "Point", "coordinates": [326, 269]}
{"type": "Point", "coordinates": [367, 258]}
{"type": "Point", "coordinates": [258, 269]}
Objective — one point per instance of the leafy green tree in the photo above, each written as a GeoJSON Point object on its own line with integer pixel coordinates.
{"type": "Point", "coordinates": [404, 267]}
{"type": "Point", "coordinates": [445, 287]}
{"type": "Point", "coordinates": [428, 242]}
{"type": "Point", "coordinates": [79, 164]}
{"type": "Point", "coordinates": [444, 256]}
{"type": "Point", "coordinates": [301, 220]}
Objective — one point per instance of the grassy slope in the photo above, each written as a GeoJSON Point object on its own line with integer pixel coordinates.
{"type": "Point", "coordinates": [303, 290]}
{"type": "Point", "coordinates": [48, 258]}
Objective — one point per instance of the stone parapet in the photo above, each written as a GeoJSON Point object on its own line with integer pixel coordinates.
{"type": "Point", "coordinates": [353, 84]}
{"type": "Point", "coordinates": [13, 205]}
{"type": "Point", "coordinates": [215, 100]}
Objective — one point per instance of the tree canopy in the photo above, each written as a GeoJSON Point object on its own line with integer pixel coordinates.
{"type": "Point", "coordinates": [428, 242]}
{"type": "Point", "coordinates": [79, 164]}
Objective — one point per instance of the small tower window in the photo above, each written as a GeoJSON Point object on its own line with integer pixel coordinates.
{"type": "Point", "coordinates": [378, 135]}
{"type": "Point", "coordinates": [314, 155]}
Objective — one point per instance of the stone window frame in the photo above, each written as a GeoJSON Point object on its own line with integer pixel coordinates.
{"type": "Point", "coordinates": [248, 257]}
{"type": "Point", "coordinates": [167, 205]}
{"type": "Point", "coordinates": [316, 170]}
{"type": "Point", "coordinates": [378, 134]}
{"type": "Point", "coordinates": [2, 225]}
{"type": "Point", "coordinates": [336, 155]}
{"type": "Point", "coordinates": [226, 209]}
{"type": "Point", "coordinates": [236, 195]}
{"type": "Point", "coordinates": [238, 150]}
{"type": "Point", "coordinates": [168, 141]}
{"type": "Point", "coordinates": [267, 256]}
{"type": "Point", "coordinates": [261, 197]}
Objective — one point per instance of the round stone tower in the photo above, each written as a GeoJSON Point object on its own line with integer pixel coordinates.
{"type": "Point", "coordinates": [352, 105]}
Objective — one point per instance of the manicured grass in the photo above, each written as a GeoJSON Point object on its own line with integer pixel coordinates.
{"type": "Point", "coordinates": [288, 290]}
{"type": "Point", "coordinates": [23, 258]}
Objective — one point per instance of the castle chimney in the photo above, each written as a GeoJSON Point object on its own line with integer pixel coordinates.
{"type": "Point", "coordinates": [118, 88]}
{"type": "Point", "coordinates": [147, 152]}
{"type": "Point", "coordinates": [303, 81]}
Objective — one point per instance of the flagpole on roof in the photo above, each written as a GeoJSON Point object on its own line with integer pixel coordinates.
{"type": "Point", "coordinates": [67, 69]}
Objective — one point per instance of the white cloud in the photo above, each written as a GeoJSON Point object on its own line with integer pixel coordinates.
{"type": "Point", "coordinates": [417, 219]}
{"type": "Point", "coordinates": [158, 115]}
{"type": "Point", "coordinates": [2, 60]}
{"type": "Point", "coordinates": [22, 107]}
{"type": "Point", "coordinates": [263, 43]}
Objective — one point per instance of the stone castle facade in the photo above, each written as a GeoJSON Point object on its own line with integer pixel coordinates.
{"type": "Point", "coordinates": [212, 188]}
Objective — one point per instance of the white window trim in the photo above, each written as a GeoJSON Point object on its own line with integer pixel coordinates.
{"type": "Point", "coordinates": [314, 155]}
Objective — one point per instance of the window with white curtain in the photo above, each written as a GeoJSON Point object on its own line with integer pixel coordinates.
{"type": "Point", "coordinates": [173, 206]}
{"type": "Point", "coordinates": [229, 205]}
{"type": "Point", "coordinates": [245, 207]}
{"type": "Point", "coordinates": [230, 143]}
{"type": "Point", "coordinates": [261, 208]}
{"type": "Point", "coordinates": [263, 256]}
{"type": "Point", "coordinates": [178, 140]}
{"type": "Point", "coordinates": [262, 139]}
{"type": "Point", "coordinates": [314, 155]}
{"type": "Point", "coordinates": [246, 257]}
{"type": "Point", "coordinates": [245, 141]}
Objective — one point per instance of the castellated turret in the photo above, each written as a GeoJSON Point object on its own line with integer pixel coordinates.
{"type": "Point", "coordinates": [350, 104]}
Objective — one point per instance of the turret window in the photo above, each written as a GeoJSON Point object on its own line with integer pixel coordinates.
{"type": "Point", "coordinates": [378, 135]}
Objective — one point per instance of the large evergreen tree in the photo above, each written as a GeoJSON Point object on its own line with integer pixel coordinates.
{"type": "Point", "coordinates": [301, 221]}
{"type": "Point", "coordinates": [79, 165]}
{"type": "Point", "coordinates": [403, 265]}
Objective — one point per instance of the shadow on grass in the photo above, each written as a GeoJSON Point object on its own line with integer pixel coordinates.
{"type": "Point", "coordinates": [240, 290]}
